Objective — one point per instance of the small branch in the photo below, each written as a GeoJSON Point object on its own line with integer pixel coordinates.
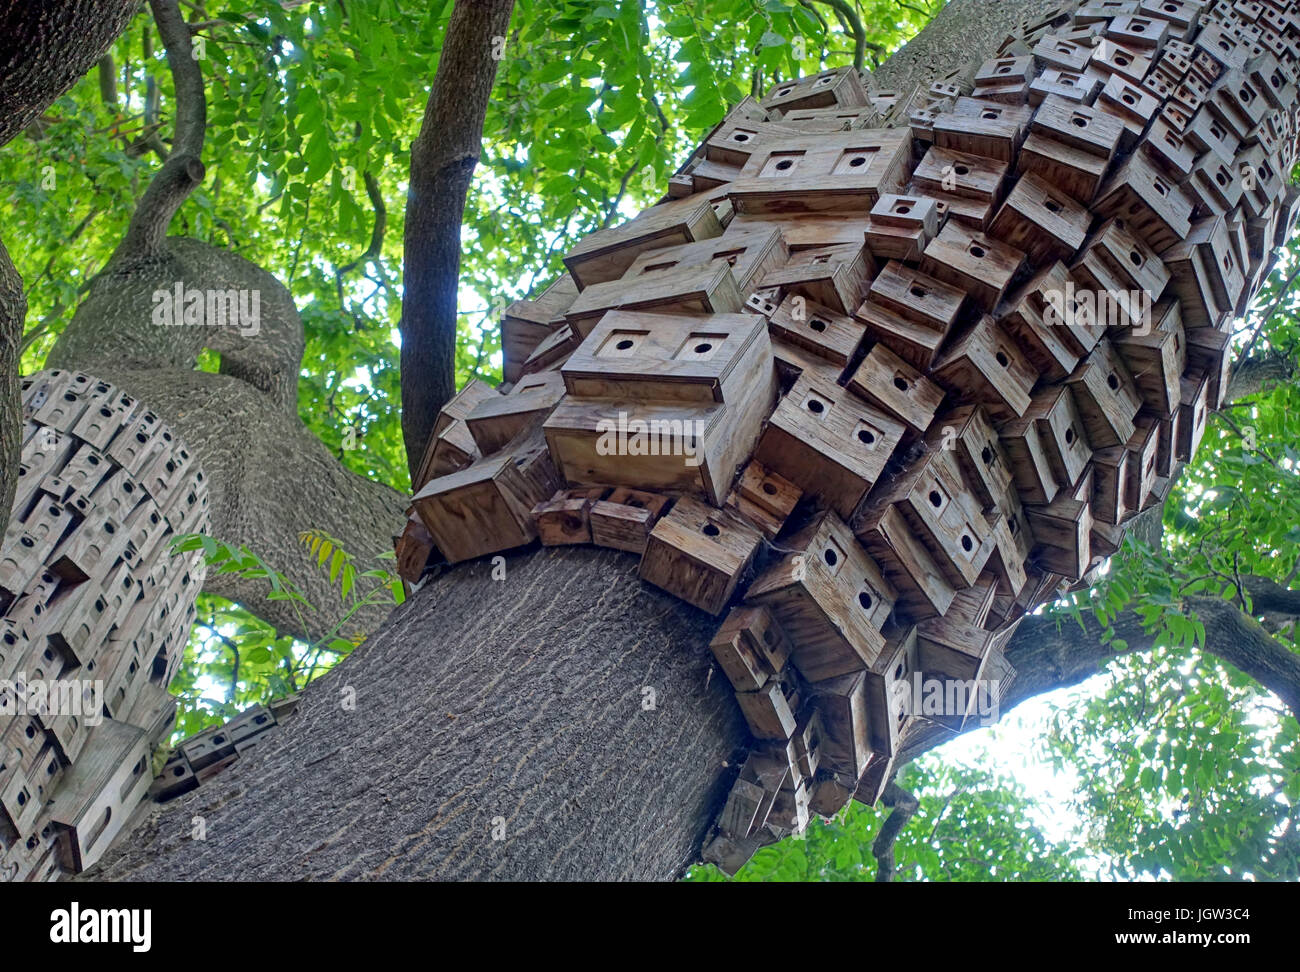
{"type": "Point", "coordinates": [183, 170]}
{"type": "Point", "coordinates": [853, 24]}
{"type": "Point", "coordinates": [1273, 308]}
{"type": "Point", "coordinates": [108, 82]}
{"type": "Point", "coordinates": [376, 247]}
{"type": "Point", "coordinates": [904, 806]}
{"type": "Point", "coordinates": [234, 650]}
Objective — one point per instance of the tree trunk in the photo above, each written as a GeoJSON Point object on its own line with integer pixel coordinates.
{"type": "Point", "coordinates": [443, 159]}
{"type": "Point", "coordinates": [560, 723]}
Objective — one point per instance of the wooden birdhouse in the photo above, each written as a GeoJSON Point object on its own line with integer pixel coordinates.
{"type": "Point", "coordinates": [1106, 396]}
{"type": "Point", "coordinates": [1070, 146]}
{"type": "Point", "coordinates": [945, 172]}
{"type": "Point", "coordinates": [751, 250]}
{"type": "Point", "coordinates": [667, 401]}
{"type": "Point", "coordinates": [1121, 276]}
{"type": "Point", "coordinates": [565, 518]}
{"type": "Point", "coordinates": [770, 710]}
{"type": "Point", "coordinates": [828, 442]}
{"type": "Point", "coordinates": [487, 506]}
{"type": "Point", "coordinates": [900, 227]}
{"type": "Point", "coordinates": [701, 289]}
{"type": "Point", "coordinates": [940, 508]}
{"type": "Point", "coordinates": [910, 312]}
{"type": "Point", "coordinates": [888, 685]}
{"type": "Point", "coordinates": [1152, 205]}
{"type": "Point", "coordinates": [1193, 414]}
{"type": "Point", "coordinates": [1062, 531]}
{"type": "Point", "coordinates": [975, 262]}
{"type": "Point", "coordinates": [1037, 317]}
{"type": "Point", "coordinates": [765, 498]}
{"type": "Point", "coordinates": [983, 128]}
{"type": "Point", "coordinates": [698, 553]}
{"type": "Point", "coordinates": [969, 433]}
{"type": "Point", "coordinates": [825, 332]}
{"type": "Point", "coordinates": [846, 730]}
{"type": "Point", "coordinates": [830, 89]}
{"type": "Point", "coordinates": [750, 647]}
{"type": "Point", "coordinates": [830, 599]}
{"type": "Point", "coordinates": [623, 519]}
{"type": "Point", "coordinates": [1078, 87]}
{"type": "Point", "coordinates": [984, 365]}
{"type": "Point", "coordinates": [671, 357]}
{"type": "Point", "coordinates": [606, 254]}
{"type": "Point", "coordinates": [452, 446]}
{"type": "Point", "coordinates": [495, 421]}
{"type": "Point", "coordinates": [844, 171]}
{"type": "Point", "coordinates": [527, 323]}
{"type": "Point", "coordinates": [833, 276]}
{"type": "Point", "coordinates": [1045, 224]}
{"type": "Point", "coordinates": [955, 655]}
{"type": "Point", "coordinates": [892, 385]}
{"type": "Point", "coordinates": [1156, 359]}
{"type": "Point", "coordinates": [98, 793]}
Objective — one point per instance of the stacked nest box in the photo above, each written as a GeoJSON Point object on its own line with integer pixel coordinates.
{"type": "Point", "coordinates": [886, 371]}
{"type": "Point", "coordinates": [91, 598]}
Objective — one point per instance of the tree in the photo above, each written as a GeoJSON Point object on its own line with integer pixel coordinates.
{"type": "Point", "coordinates": [538, 731]}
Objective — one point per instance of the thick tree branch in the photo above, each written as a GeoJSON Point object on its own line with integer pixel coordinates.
{"type": "Point", "coordinates": [1050, 652]}
{"type": "Point", "coordinates": [1251, 375]}
{"type": "Point", "coordinates": [183, 170]}
{"type": "Point", "coordinates": [443, 158]}
{"type": "Point", "coordinates": [1267, 317]}
{"type": "Point", "coordinates": [13, 311]}
{"type": "Point", "coordinates": [45, 47]}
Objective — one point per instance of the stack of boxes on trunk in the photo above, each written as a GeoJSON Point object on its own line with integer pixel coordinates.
{"type": "Point", "coordinates": [205, 754]}
{"type": "Point", "coordinates": [885, 372]}
{"type": "Point", "coordinates": [96, 614]}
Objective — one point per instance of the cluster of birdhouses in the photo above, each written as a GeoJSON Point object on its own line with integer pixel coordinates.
{"type": "Point", "coordinates": [96, 614]}
{"type": "Point", "coordinates": [885, 371]}
{"type": "Point", "coordinates": [200, 757]}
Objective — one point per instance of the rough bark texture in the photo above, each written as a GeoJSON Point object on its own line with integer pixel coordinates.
{"type": "Point", "coordinates": [523, 699]}
{"type": "Point", "coordinates": [270, 477]}
{"type": "Point", "coordinates": [443, 158]}
{"type": "Point", "coordinates": [13, 311]}
{"type": "Point", "coordinates": [962, 32]}
{"type": "Point", "coordinates": [44, 48]}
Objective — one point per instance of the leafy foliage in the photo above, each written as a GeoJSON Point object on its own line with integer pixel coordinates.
{"type": "Point", "coordinates": [971, 825]}
{"type": "Point", "coordinates": [233, 648]}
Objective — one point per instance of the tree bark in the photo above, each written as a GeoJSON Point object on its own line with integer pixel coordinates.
{"type": "Point", "coordinates": [443, 159]}
{"type": "Point", "coordinates": [45, 47]}
{"type": "Point", "coordinates": [519, 708]}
